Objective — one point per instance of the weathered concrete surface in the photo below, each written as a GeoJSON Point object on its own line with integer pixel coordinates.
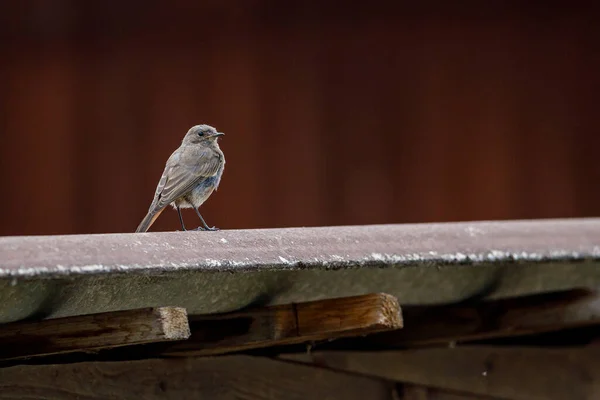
{"type": "Point", "coordinates": [221, 271]}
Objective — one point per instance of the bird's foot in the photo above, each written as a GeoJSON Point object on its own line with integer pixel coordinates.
{"type": "Point", "coordinates": [201, 228]}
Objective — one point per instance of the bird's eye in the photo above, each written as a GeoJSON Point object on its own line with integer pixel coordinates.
{"type": "Point", "coordinates": [200, 133]}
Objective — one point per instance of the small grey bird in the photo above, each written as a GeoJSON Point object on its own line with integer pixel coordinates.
{"type": "Point", "coordinates": [191, 174]}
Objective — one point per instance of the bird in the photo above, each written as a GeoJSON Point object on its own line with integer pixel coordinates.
{"type": "Point", "coordinates": [192, 173]}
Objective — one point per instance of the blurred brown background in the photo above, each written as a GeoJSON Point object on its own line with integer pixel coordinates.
{"type": "Point", "coordinates": [335, 112]}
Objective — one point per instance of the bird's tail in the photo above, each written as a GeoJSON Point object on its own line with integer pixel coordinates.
{"type": "Point", "coordinates": [148, 221]}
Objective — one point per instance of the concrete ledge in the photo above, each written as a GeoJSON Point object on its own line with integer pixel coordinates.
{"type": "Point", "coordinates": [207, 272]}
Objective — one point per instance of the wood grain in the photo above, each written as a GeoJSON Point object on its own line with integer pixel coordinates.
{"type": "Point", "coordinates": [517, 373]}
{"type": "Point", "coordinates": [290, 324]}
{"type": "Point", "coordinates": [435, 325]}
{"type": "Point", "coordinates": [227, 377]}
{"type": "Point", "coordinates": [500, 111]}
{"type": "Point", "coordinates": [92, 332]}
{"type": "Point", "coordinates": [416, 392]}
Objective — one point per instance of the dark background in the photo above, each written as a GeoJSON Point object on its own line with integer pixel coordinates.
{"type": "Point", "coordinates": [335, 112]}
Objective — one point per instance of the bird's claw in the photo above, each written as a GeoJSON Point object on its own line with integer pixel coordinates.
{"type": "Point", "coordinates": [200, 228]}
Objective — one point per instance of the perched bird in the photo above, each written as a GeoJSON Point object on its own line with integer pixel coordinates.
{"type": "Point", "coordinates": [191, 174]}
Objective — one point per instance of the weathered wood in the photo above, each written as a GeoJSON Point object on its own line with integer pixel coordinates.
{"type": "Point", "coordinates": [289, 324]}
{"type": "Point", "coordinates": [416, 392]}
{"type": "Point", "coordinates": [92, 332]}
{"type": "Point", "coordinates": [228, 270]}
{"type": "Point", "coordinates": [509, 373]}
{"type": "Point", "coordinates": [494, 319]}
{"type": "Point", "coordinates": [227, 377]}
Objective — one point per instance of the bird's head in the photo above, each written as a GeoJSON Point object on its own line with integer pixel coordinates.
{"type": "Point", "coordinates": [202, 134]}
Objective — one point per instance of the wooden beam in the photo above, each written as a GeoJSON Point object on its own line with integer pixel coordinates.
{"type": "Point", "coordinates": [517, 373]}
{"type": "Point", "coordinates": [227, 377]}
{"type": "Point", "coordinates": [289, 324]}
{"type": "Point", "coordinates": [436, 325]}
{"type": "Point", "coordinates": [228, 270]}
{"type": "Point", "coordinates": [92, 332]}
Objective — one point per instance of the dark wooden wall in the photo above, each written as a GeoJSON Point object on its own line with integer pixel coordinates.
{"type": "Point", "coordinates": [335, 112]}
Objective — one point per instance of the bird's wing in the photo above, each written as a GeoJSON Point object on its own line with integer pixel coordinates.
{"type": "Point", "coordinates": [182, 173]}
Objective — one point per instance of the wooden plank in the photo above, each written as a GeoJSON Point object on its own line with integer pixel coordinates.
{"type": "Point", "coordinates": [290, 324]}
{"type": "Point", "coordinates": [227, 377]}
{"type": "Point", "coordinates": [92, 332]}
{"type": "Point", "coordinates": [517, 373]}
{"type": "Point", "coordinates": [228, 270]}
{"type": "Point", "coordinates": [434, 325]}
{"type": "Point", "coordinates": [416, 392]}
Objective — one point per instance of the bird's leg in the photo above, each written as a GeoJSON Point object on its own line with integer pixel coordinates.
{"type": "Point", "coordinates": [206, 227]}
{"type": "Point", "coordinates": [181, 218]}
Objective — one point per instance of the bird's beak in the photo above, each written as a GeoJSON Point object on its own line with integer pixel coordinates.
{"type": "Point", "coordinates": [219, 134]}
